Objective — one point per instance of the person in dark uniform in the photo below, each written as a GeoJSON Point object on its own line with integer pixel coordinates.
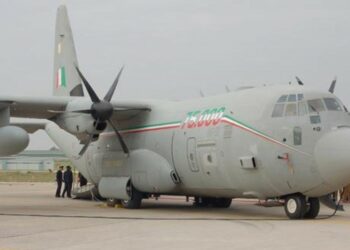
{"type": "Point", "coordinates": [82, 180]}
{"type": "Point", "coordinates": [59, 181]}
{"type": "Point", "coordinates": [68, 182]}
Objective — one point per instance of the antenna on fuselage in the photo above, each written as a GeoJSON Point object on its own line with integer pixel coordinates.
{"type": "Point", "coordinates": [299, 81]}
{"type": "Point", "coordinates": [201, 93]}
{"type": "Point", "coordinates": [332, 87]}
{"type": "Point", "coordinates": [227, 89]}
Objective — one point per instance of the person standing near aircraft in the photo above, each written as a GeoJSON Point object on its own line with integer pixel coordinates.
{"type": "Point", "coordinates": [59, 181]}
{"type": "Point", "coordinates": [68, 181]}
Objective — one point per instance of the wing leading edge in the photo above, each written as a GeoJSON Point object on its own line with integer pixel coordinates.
{"type": "Point", "coordinates": [50, 107]}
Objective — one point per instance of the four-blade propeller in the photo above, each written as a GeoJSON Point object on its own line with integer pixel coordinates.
{"type": "Point", "coordinates": [101, 111]}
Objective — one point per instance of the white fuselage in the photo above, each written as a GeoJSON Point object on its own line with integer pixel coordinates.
{"type": "Point", "coordinates": [248, 143]}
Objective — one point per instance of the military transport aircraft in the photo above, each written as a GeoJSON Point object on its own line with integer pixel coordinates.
{"type": "Point", "coordinates": [287, 142]}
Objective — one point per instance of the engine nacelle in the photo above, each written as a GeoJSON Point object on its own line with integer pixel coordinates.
{"type": "Point", "coordinates": [13, 140]}
{"type": "Point", "coordinates": [82, 124]}
{"type": "Point", "coordinates": [79, 123]}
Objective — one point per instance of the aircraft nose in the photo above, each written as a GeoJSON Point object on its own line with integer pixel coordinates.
{"type": "Point", "coordinates": [332, 156]}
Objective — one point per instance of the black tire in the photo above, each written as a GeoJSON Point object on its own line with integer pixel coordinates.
{"type": "Point", "coordinates": [295, 206]}
{"type": "Point", "coordinates": [313, 208]}
{"type": "Point", "coordinates": [135, 201]}
{"type": "Point", "coordinates": [202, 202]}
{"type": "Point", "coordinates": [222, 202]}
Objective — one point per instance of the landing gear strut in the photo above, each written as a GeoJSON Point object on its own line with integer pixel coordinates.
{"type": "Point", "coordinates": [297, 207]}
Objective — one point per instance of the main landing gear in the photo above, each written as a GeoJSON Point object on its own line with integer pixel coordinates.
{"type": "Point", "coordinates": [212, 202]}
{"type": "Point", "coordinates": [133, 203]}
{"type": "Point", "coordinates": [298, 207]}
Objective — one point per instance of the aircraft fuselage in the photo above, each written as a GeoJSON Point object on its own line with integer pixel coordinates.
{"type": "Point", "coordinates": [227, 146]}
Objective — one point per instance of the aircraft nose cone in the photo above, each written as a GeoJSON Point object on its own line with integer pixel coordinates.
{"type": "Point", "coordinates": [332, 155]}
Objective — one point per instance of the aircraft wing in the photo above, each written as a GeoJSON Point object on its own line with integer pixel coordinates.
{"type": "Point", "coordinates": [35, 107]}
{"type": "Point", "coordinates": [50, 107]}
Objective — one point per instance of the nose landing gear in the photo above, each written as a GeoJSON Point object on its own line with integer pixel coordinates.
{"type": "Point", "coordinates": [298, 207]}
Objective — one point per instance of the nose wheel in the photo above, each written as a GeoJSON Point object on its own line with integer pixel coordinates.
{"type": "Point", "coordinates": [297, 207]}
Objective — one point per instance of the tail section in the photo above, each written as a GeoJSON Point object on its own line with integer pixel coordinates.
{"type": "Point", "coordinates": [66, 79]}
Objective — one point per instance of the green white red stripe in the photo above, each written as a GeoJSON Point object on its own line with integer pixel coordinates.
{"type": "Point", "coordinates": [61, 78]}
{"type": "Point", "coordinates": [233, 122]}
{"type": "Point", "coordinates": [225, 120]}
{"type": "Point", "coordinates": [148, 128]}
{"type": "Point", "coordinates": [155, 127]}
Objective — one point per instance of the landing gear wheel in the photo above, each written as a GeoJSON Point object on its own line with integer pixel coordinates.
{"type": "Point", "coordinates": [135, 201]}
{"type": "Point", "coordinates": [295, 206]}
{"type": "Point", "coordinates": [201, 202]}
{"type": "Point", "coordinates": [222, 202]}
{"type": "Point", "coordinates": [313, 208]}
{"type": "Point", "coordinates": [111, 202]}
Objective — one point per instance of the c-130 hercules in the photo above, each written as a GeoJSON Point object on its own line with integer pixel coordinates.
{"type": "Point", "coordinates": [287, 142]}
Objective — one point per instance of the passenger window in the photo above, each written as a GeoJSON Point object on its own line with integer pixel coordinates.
{"type": "Point", "coordinates": [300, 97]}
{"type": "Point", "coordinates": [315, 105]}
{"type": "Point", "coordinates": [282, 98]}
{"type": "Point", "coordinates": [302, 110]}
{"type": "Point", "coordinates": [291, 109]}
{"type": "Point", "coordinates": [292, 98]}
{"type": "Point", "coordinates": [297, 135]}
{"type": "Point", "coordinates": [278, 110]}
{"type": "Point", "coordinates": [332, 104]}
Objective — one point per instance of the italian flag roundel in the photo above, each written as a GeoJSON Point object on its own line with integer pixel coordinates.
{"type": "Point", "coordinates": [61, 78]}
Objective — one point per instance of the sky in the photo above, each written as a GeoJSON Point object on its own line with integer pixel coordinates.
{"type": "Point", "coordinates": [174, 49]}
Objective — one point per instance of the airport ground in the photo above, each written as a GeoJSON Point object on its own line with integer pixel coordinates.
{"type": "Point", "coordinates": [31, 218]}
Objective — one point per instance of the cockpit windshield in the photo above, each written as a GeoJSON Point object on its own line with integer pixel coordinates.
{"type": "Point", "coordinates": [332, 104]}
{"type": "Point", "coordinates": [295, 105]}
{"type": "Point", "coordinates": [315, 105]}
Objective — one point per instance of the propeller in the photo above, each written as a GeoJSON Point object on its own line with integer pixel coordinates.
{"type": "Point", "coordinates": [101, 111]}
{"type": "Point", "coordinates": [299, 81]}
{"type": "Point", "coordinates": [332, 87]}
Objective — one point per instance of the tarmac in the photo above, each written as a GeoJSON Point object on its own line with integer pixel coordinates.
{"type": "Point", "coordinates": [32, 218]}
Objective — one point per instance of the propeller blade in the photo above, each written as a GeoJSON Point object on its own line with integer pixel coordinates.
{"type": "Point", "coordinates": [120, 138]}
{"type": "Point", "coordinates": [86, 145]}
{"type": "Point", "coordinates": [110, 92]}
{"type": "Point", "coordinates": [299, 81]}
{"type": "Point", "coordinates": [88, 87]}
{"type": "Point", "coordinates": [332, 87]}
{"type": "Point", "coordinates": [84, 111]}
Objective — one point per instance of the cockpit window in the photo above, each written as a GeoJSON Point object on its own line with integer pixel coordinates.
{"type": "Point", "coordinates": [332, 104]}
{"type": "Point", "coordinates": [291, 109]}
{"type": "Point", "coordinates": [278, 110]}
{"type": "Point", "coordinates": [282, 98]}
{"type": "Point", "coordinates": [292, 98]}
{"type": "Point", "coordinates": [315, 105]}
{"type": "Point", "coordinates": [288, 105]}
{"type": "Point", "coordinates": [302, 110]}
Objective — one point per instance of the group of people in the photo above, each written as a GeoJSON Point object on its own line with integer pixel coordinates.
{"type": "Point", "coordinates": [66, 177]}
